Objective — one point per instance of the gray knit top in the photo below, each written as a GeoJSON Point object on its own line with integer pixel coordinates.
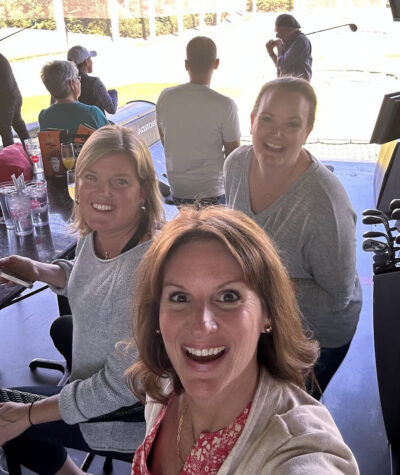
{"type": "Point", "coordinates": [313, 227]}
{"type": "Point", "coordinates": [101, 294]}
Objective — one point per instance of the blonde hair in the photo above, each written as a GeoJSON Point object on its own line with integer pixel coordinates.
{"type": "Point", "coordinates": [117, 139]}
{"type": "Point", "coordinates": [290, 84]}
{"type": "Point", "coordinates": [286, 352]}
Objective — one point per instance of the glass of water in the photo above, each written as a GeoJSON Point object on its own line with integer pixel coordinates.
{"type": "Point", "coordinates": [5, 188]}
{"type": "Point", "coordinates": [37, 192]}
{"type": "Point", "coordinates": [19, 206]}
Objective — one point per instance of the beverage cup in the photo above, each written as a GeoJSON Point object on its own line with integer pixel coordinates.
{"type": "Point", "coordinates": [71, 183]}
{"type": "Point", "coordinates": [19, 206]}
{"type": "Point", "coordinates": [6, 188]}
{"type": "Point", "coordinates": [32, 146]}
{"type": "Point", "coordinates": [37, 192]}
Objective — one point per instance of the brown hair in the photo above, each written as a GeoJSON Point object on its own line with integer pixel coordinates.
{"type": "Point", "coordinates": [286, 352]}
{"type": "Point", "coordinates": [290, 84]}
{"type": "Point", "coordinates": [117, 139]}
{"type": "Point", "coordinates": [201, 53]}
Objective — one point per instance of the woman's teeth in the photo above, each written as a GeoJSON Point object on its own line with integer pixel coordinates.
{"type": "Point", "coordinates": [205, 352]}
{"type": "Point", "coordinates": [277, 148]}
{"type": "Point", "coordinates": [101, 207]}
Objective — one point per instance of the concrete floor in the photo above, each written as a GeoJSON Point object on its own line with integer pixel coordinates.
{"type": "Point", "coordinates": [352, 397]}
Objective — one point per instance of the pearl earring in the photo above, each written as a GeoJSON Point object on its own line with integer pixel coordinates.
{"type": "Point", "coordinates": [268, 329]}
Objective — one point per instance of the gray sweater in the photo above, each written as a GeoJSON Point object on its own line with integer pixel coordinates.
{"type": "Point", "coordinates": [313, 226]}
{"type": "Point", "coordinates": [100, 294]}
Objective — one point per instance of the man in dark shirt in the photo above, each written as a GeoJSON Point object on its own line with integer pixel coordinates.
{"type": "Point", "coordinates": [93, 90]}
{"type": "Point", "coordinates": [10, 106]}
{"type": "Point", "coordinates": [293, 49]}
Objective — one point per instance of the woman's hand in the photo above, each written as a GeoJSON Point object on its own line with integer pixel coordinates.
{"type": "Point", "coordinates": [13, 420]}
{"type": "Point", "coordinates": [22, 267]}
{"type": "Point", "coordinates": [31, 270]}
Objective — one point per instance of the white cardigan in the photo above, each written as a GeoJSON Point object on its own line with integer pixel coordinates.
{"type": "Point", "coordinates": [287, 433]}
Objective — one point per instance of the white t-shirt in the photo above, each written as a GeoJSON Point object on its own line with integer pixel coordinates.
{"type": "Point", "coordinates": [195, 121]}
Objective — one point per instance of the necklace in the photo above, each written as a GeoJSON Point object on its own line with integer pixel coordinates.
{"type": "Point", "coordinates": [105, 255]}
{"type": "Point", "coordinates": [178, 434]}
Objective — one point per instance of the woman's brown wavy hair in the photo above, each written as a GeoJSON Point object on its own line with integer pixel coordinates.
{"type": "Point", "coordinates": [287, 353]}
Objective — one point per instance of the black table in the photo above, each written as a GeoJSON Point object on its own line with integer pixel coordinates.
{"type": "Point", "coordinates": [45, 244]}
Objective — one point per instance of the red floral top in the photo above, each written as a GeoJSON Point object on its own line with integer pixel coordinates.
{"type": "Point", "coordinates": [208, 453]}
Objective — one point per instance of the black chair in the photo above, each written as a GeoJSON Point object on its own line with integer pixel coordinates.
{"type": "Point", "coordinates": [387, 356]}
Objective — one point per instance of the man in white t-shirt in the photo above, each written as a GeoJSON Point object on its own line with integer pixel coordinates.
{"type": "Point", "coordinates": [199, 128]}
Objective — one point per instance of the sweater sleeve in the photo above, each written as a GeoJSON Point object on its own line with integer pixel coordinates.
{"type": "Point", "coordinates": [107, 100]}
{"type": "Point", "coordinates": [308, 443]}
{"type": "Point", "coordinates": [297, 51]}
{"type": "Point", "coordinates": [104, 392]}
{"type": "Point", "coordinates": [330, 250]}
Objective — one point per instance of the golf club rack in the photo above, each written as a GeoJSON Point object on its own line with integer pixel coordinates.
{"type": "Point", "coordinates": [383, 241]}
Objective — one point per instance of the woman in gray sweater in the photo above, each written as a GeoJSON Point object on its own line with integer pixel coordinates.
{"type": "Point", "coordinates": [305, 210]}
{"type": "Point", "coordinates": [116, 211]}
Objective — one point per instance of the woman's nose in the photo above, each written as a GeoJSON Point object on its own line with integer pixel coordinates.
{"type": "Point", "coordinates": [203, 321]}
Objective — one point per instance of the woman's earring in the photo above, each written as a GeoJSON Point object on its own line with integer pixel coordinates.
{"type": "Point", "coordinates": [158, 332]}
{"type": "Point", "coordinates": [268, 329]}
{"type": "Point", "coordinates": [77, 200]}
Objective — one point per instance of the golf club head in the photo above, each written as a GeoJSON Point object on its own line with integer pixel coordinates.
{"type": "Point", "coordinates": [372, 245]}
{"type": "Point", "coordinates": [353, 27]}
{"type": "Point", "coordinates": [373, 212]}
{"type": "Point", "coordinates": [396, 213]}
{"type": "Point", "coordinates": [375, 234]}
{"type": "Point", "coordinates": [374, 220]}
{"type": "Point", "coordinates": [394, 204]}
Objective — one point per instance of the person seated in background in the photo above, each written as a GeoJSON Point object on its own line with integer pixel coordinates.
{"type": "Point", "coordinates": [93, 91]}
{"type": "Point", "coordinates": [116, 211]}
{"type": "Point", "coordinates": [62, 80]}
{"type": "Point", "coordinates": [10, 106]}
{"type": "Point", "coordinates": [222, 357]}
{"type": "Point", "coordinates": [305, 210]}
{"type": "Point", "coordinates": [198, 127]}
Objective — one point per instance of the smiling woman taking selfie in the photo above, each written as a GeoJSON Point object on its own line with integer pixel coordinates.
{"type": "Point", "coordinates": [117, 209]}
{"type": "Point", "coordinates": [223, 358]}
{"type": "Point", "coordinates": [304, 208]}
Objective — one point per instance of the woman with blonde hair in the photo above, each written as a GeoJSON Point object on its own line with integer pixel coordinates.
{"type": "Point", "coordinates": [305, 210]}
{"type": "Point", "coordinates": [222, 357]}
{"type": "Point", "coordinates": [117, 209]}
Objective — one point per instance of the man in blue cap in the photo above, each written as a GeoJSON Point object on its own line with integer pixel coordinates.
{"type": "Point", "coordinates": [293, 48]}
{"type": "Point", "coordinates": [93, 91]}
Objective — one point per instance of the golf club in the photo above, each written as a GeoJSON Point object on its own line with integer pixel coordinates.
{"type": "Point", "coordinates": [374, 212]}
{"type": "Point", "coordinates": [19, 31]}
{"type": "Point", "coordinates": [396, 213]}
{"type": "Point", "coordinates": [353, 27]}
{"type": "Point", "coordinates": [394, 204]}
{"type": "Point", "coordinates": [375, 234]}
{"type": "Point", "coordinates": [372, 245]}
{"type": "Point", "coordinates": [379, 220]}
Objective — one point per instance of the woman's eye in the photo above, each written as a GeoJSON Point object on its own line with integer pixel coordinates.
{"type": "Point", "coordinates": [120, 182]}
{"type": "Point", "coordinates": [229, 296]}
{"type": "Point", "coordinates": [294, 125]}
{"type": "Point", "coordinates": [178, 298]}
{"type": "Point", "coordinates": [266, 118]}
{"type": "Point", "coordinates": [89, 177]}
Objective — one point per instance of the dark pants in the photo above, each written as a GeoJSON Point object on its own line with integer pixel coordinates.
{"type": "Point", "coordinates": [329, 361]}
{"type": "Point", "coordinates": [41, 448]}
{"type": "Point", "coordinates": [216, 200]}
{"type": "Point", "coordinates": [12, 117]}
